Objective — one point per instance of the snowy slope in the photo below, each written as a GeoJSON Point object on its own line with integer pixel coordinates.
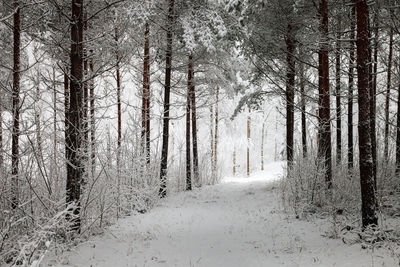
{"type": "Point", "coordinates": [236, 223]}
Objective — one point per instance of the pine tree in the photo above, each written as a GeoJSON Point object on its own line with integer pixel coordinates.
{"type": "Point", "coordinates": [368, 192]}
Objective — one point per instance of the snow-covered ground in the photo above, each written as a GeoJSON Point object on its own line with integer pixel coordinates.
{"type": "Point", "coordinates": [239, 222]}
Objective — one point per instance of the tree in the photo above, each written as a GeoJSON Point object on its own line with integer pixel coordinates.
{"type": "Point", "coordinates": [387, 94]}
{"type": "Point", "coordinates": [16, 105]}
{"type": "Point", "coordinates": [338, 95]}
{"type": "Point", "coordinates": [146, 96]}
{"type": "Point", "coordinates": [75, 165]}
{"type": "Point", "coordinates": [368, 197]}
{"type": "Point", "coordinates": [167, 93]}
{"type": "Point", "coordinates": [350, 146]}
{"type": "Point", "coordinates": [324, 148]}
{"type": "Point", "coordinates": [194, 126]}
{"type": "Point", "coordinates": [188, 109]}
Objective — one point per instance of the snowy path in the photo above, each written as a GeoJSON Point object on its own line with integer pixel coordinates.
{"type": "Point", "coordinates": [237, 223]}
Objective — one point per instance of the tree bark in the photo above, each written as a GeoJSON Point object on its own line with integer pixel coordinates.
{"type": "Point", "coordinates": [75, 167]}
{"type": "Point", "coordinates": [397, 134]}
{"type": "Point", "coordinates": [119, 127]}
{"type": "Point", "coordinates": [92, 117]}
{"type": "Point", "coordinates": [373, 73]}
{"type": "Point", "coordinates": [216, 134]}
{"type": "Point", "coordinates": [262, 145]}
{"type": "Point", "coordinates": [303, 112]}
{"type": "Point", "coordinates": [248, 142]}
{"type": "Point", "coordinates": [387, 102]}
{"type": "Point", "coordinates": [350, 146]}
{"type": "Point", "coordinates": [338, 96]}
{"type": "Point", "coordinates": [290, 83]}
{"type": "Point", "coordinates": [368, 197]}
{"type": "Point", "coordinates": [16, 107]}
{"type": "Point", "coordinates": [188, 109]}
{"type": "Point", "coordinates": [167, 93]}
{"type": "Point", "coordinates": [146, 96]}
{"type": "Point", "coordinates": [325, 149]}
{"type": "Point", "coordinates": [194, 128]}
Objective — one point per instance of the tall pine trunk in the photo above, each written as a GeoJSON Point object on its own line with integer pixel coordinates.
{"type": "Point", "coordinates": [325, 148]}
{"type": "Point", "coordinates": [216, 135]}
{"type": "Point", "coordinates": [290, 83]}
{"type": "Point", "coordinates": [92, 117]}
{"type": "Point", "coordinates": [119, 126]}
{"type": "Point", "coordinates": [75, 166]}
{"type": "Point", "coordinates": [398, 134]}
{"type": "Point", "coordinates": [303, 111]}
{"type": "Point", "coordinates": [188, 109]}
{"type": "Point", "coordinates": [196, 175]}
{"type": "Point", "coordinates": [387, 102]}
{"type": "Point", "coordinates": [338, 96]}
{"type": "Point", "coordinates": [368, 197]}
{"type": "Point", "coordinates": [350, 143]}
{"type": "Point", "coordinates": [167, 93]}
{"type": "Point", "coordinates": [146, 97]}
{"type": "Point", "coordinates": [16, 107]}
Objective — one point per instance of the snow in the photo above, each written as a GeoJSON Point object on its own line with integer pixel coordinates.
{"type": "Point", "coordinates": [239, 222]}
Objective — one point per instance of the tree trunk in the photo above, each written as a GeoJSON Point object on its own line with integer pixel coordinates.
{"type": "Point", "coordinates": [234, 161]}
{"type": "Point", "coordinates": [16, 107]}
{"type": "Point", "coordinates": [119, 129]}
{"type": "Point", "coordinates": [248, 143]}
{"type": "Point", "coordinates": [167, 93]}
{"type": "Point", "coordinates": [188, 104]}
{"type": "Point", "coordinates": [338, 96]}
{"type": "Point", "coordinates": [75, 165]}
{"type": "Point", "coordinates": [303, 112]}
{"type": "Point", "coordinates": [216, 134]}
{"type": "Point", "coordinates": [212, 139]}
{"type": "Point", "coordinates": [374, 75]}
{"type": "Point", "coordinates": [54, 168]}
{"type": "Point", "coordinates": [368, 197]}
{"type": "Point", "coordinates": [387, 102]}
{"type": "Point", "coordinates": [325, 149]}
{"type": "Point", "coordinates": [262, 145]}
{"type": "Point", "coordinates": [194, 128]}
{"type": "Point", "coordinates": [350, 146]}
{"type": "Point", "coordinates": [92, 118]}
{"type": "Point", "coordinates": [397, 134]}
{"type": "Point", "coordinates": [146, 97]}
{"type": "Point", "coordinates": [290, 83]}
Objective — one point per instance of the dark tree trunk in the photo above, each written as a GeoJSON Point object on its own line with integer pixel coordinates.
{"type": "Point", "coordinates": [74, 140]}
{"type": "Point", "coordinates": [216, 134]}
{"type": "Point", "coordinates": [16, 107]}
{"type": "Point", "coordinates": [146, 96]}
{"type": "Point", "coordinates": [398, 134]}
{"type": "Point", "coordinates": [373, 74]}
{"type": "Point", "coordinates": [338, 96]}
{"type": "Point", "coordinates": [92, 117]}
{"type": "Point", "coordinates": [368, 197]}
{"type": "Point", "coordinates": [167, 93]}
{"type": "Point", "coordinates": [387, 103]}
{"type": "Point", "coordinates": [194, 128]}
{"type": "Point", "coordinates": [303, 112]}
{"type": "Point", "coordinates": [325, 149]}
{"type": "Point", "coordinates": [119, 127]}
{"type": "Point", "coordinates": [350, 149]}
{"type": "Point", "coordinates": [188, 104]}
{"type": "Point", "coordinates": [290, 83]}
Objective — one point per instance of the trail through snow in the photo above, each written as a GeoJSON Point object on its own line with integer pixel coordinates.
{"type": "Point", "coordinates": [236, 223]}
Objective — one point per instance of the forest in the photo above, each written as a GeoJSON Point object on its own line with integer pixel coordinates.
{"type": "Point", "coordinates": [199, 133]}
